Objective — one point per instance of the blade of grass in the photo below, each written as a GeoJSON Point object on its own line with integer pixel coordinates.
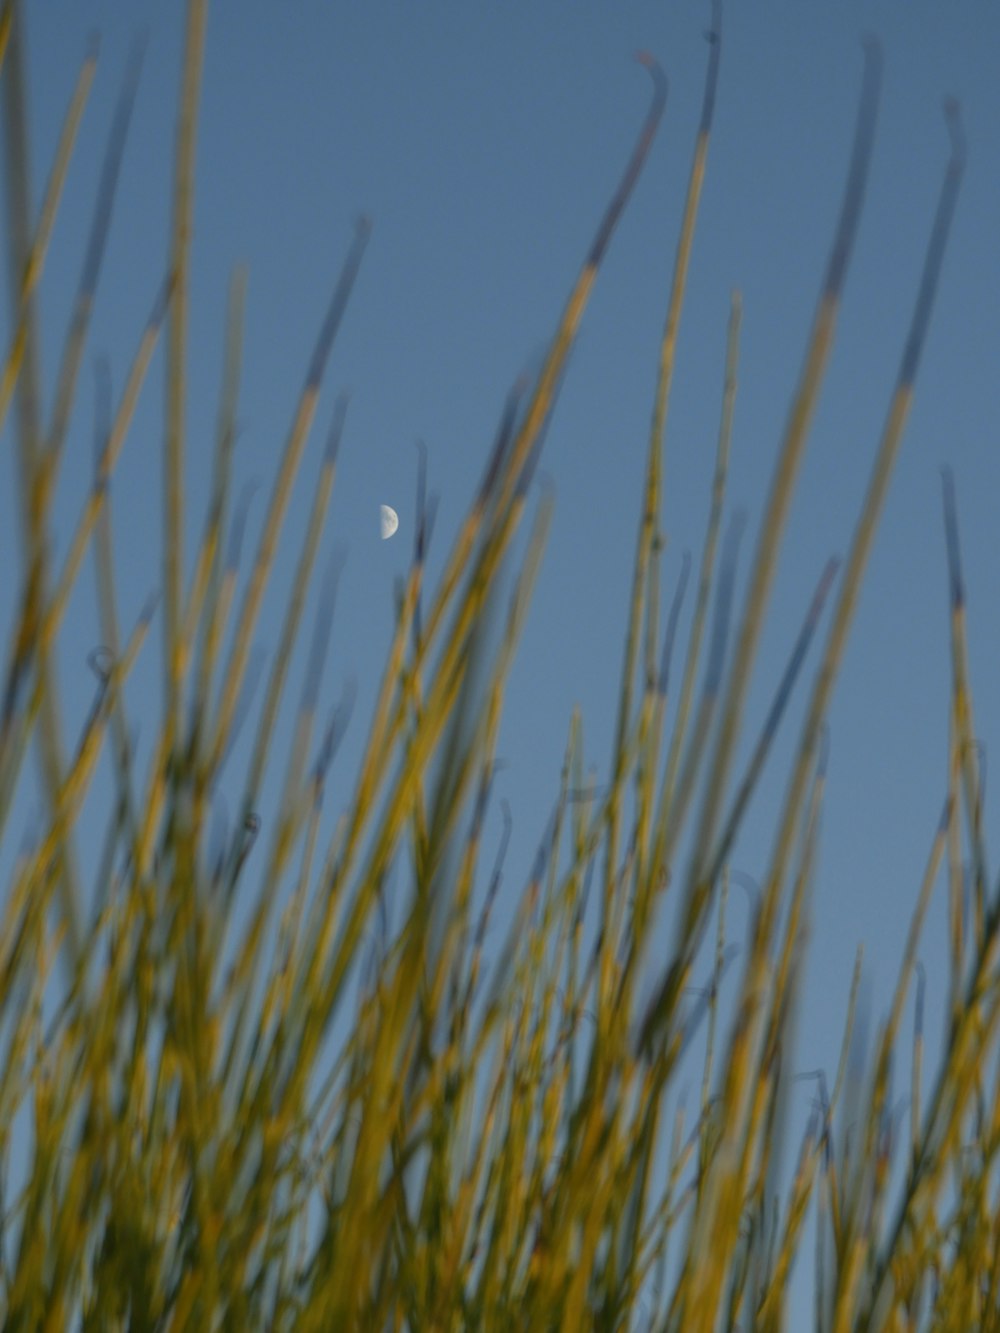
{"type": "Point", "coordinates": [697, 888]}
{"type": "Point", "coordinates": [278, 503]}
{"type": "Point", "coordinates": [174, 408]}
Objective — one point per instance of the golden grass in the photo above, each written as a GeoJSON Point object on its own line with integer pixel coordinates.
{"type": "Point", "coordinates": [329, 1135]}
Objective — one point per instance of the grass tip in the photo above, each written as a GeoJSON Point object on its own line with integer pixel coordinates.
{"type": "Point", "coordinates": [649, 62]}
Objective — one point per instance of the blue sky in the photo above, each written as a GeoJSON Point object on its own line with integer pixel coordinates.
{"type": "Point", "coordinates": [484, 141]}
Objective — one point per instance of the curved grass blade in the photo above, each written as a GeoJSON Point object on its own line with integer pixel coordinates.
{"type": "Point", "coordinates": [654, 468]}
{"type": "Point", "coordinates": [697, 889]}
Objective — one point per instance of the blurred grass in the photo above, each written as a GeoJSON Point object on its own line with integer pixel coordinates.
{"type": "Point", "coordinates": [331, 1133]}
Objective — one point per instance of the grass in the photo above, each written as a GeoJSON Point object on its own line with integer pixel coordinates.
{"type": "Point", "coordinates": [325, 1134]}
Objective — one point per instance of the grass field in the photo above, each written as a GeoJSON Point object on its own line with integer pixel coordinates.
{"type": "Point", "coordinates": [425, 1132]}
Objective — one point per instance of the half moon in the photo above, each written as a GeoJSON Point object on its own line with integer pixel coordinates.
{"type": "Point", "coordinates": [388, 521]}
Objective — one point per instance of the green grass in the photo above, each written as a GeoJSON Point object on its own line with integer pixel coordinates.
{"type": "Point", "coordinates": [326, 1135]}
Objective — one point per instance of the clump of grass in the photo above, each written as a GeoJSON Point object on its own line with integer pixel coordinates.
{"type": "Point", "coordinates": [319, 1135]}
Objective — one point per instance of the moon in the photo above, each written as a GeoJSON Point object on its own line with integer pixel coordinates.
{"type": "Point", "coordinates": [388, 521]}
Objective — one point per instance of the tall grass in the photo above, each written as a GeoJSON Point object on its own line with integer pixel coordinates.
{"type": "Point", "coordinates": [319, 1134]}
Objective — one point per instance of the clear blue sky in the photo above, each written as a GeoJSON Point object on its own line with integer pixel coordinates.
{"type": "Point", "coordinates": [484, 141]}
